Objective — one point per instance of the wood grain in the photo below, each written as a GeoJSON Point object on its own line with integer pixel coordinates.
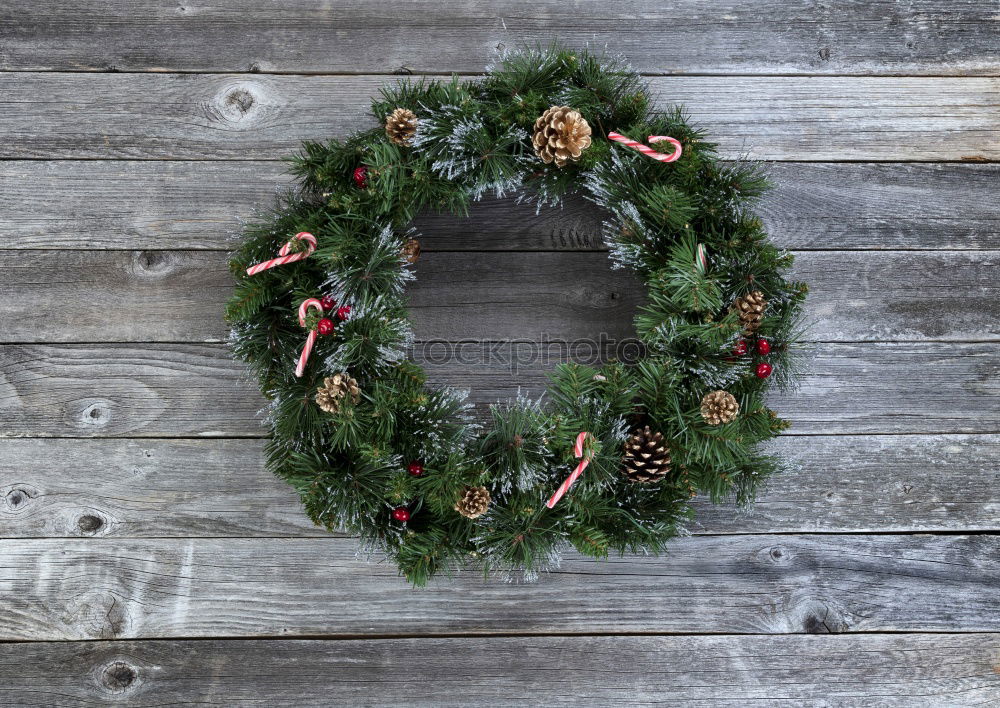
{"type": "Point", "coordinates": [179, 296]}
{"type": "Point", "coordinates": [157, 390]}
{"type": "Point", "coordinates": [145, 488]}
{"type": "Point", "coordinates": [250, 116]}
{"type": "Point", "coordinates": [350, 36]}
{"type": "Point", "coordinates": [71, 589]}
{"type": "Point", "coordinates": [200, 204]}
{"type": "Point", "coordinates": [133, 205]}
{"type": "Point", "coordinates": [901, 670]}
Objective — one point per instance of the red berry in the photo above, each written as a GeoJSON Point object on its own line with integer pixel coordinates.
{"type": "Point", "coordinates": [343, 312]}
{"type": "Point", "coordinates": [741, 348]}
{"type": "Point", "coordinates": [416, 469]}
{"type": "Point", "coordinates": [763, 370]}
{"type": "Point", "coordinates": [328, 303]}
{"type": "Point", "coordinates": [324, 326]}
{"type": "Point", "coordinates": [401, 514]}
{"type": "Point", "coordinates": [361, 177]}
{"type": "Point", "coordinates": [763, 347]}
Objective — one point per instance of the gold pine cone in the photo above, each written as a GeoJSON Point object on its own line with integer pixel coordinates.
{"type": "Point", "coordinates": [645, 457]}
{"type": "Point", "coordinates": [411, 250]}
{"type": "Point", "coordinates": [335, 388]}
{"type": "Point", "coordinates": [474, 502]}
{"type": "Point", "coordinates": [561, 135]}
{"type": "Point", "coordinates": [718, 407]}
{"type": "Point", "coordinates": [401, 125]}
{"type": "Point", "coordinates": [751, 310]}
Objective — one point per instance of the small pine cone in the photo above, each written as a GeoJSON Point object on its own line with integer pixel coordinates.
{"type": "Point", "coordinates": [411, 250]}
{"type": "Point", "coordinates": [401, 125]}
{"type": "Point", "coordinates": [474, 502]}
{"type": "Point", "coordinates": [646, 458]}
{"type": "Point", "coordinates": [329, 396]}
{"type": "Point", "coordinates": [719, 407]}
{"type": "Point", "coordinates": [561, 135]}
{"type": "Point", "coordinates": [751, 310]}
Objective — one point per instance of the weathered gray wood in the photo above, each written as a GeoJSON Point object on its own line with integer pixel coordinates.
{"type": "Point", "coordinates": [60, 589]}
{"type": "Point", "coordinates": [807, 36]}
{"type": "Point", "coordinates": [145, 488]}
{"type": "Point", "coordinates": [83, 391]}
{"type": "Point", "coordinates": [872, 483]}
{"type": "Point", "coordinates": [157, 390]}
{"type": "Point", "coordinates": [139, 488]}
{"type": "Point", "coordinates": [152, 205]}
{"type": "Point", "coordinates": [886, 670]}
{"type": "Point", "coordinates": [199, 205]}
{"type": "Point", "coordinates": [179, 296]}
{"type": "Point", "coordinates": [878, 207]}
{"type": "Point", "coordinates": [132, 295]}
{"type": "Point", "coordinates": [224, 116]}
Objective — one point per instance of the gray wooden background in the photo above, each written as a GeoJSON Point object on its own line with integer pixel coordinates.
{"type": "Point", "coordinates": [147, 558]}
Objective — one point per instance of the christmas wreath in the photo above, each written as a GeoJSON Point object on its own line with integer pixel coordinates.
{"type": "Point", "coordinates": [609, 458]}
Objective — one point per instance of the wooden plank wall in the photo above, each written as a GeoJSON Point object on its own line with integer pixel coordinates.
{"type": "Point", "coordinates": [146, 557]}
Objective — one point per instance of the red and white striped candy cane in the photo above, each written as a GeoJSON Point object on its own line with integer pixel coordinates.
{"type": "Point", "coordinates": [311, 339]}
{"type": "Point", "coordinates": [648, 151]}
{"type": "Point", "coordinates": [285, 254]}
{"type": "Point", "coordinates": [577, 452]}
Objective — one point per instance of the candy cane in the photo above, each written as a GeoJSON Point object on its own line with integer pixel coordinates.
{"type": "Point", "coordinates": [648, 151]}
{"type": "Point", "coordinates": [701, 258]}
{"type": "Point", "coordinates": [311, 339]}
{"type": "Point", "coordinates": [285, 255]}
{"type": "Point", "coordinates": [577, 452]}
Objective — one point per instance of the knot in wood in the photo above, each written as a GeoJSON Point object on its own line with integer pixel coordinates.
{"type": "Point", "coordinates": [241, 99]}
{"type": "Point", "coordinates": [16, 498]}
{"type": "Point", "coordinates": [119, 677]}
{"type": "Point", "coordinates": [151, 263]}
{"type": "Point", "coordinates": [90, 524]}
{"type": "Point", "coordinates": [97, 414]}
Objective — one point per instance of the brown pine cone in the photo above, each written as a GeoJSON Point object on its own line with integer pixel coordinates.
{"type": "Point", "coordinates": [474, 502]}
{"type": "Point", "coordinates": [719, 407]}
{"type": "Point", "coordinates": [411, 250]}
{"type": "Point", "coordinates": [646, 458]}
{"type": "Point", "coordinates": [335, 388]}
{"type": "Point", "coordinates": [751, 310]}
{"type": "Point", "coordinates": [401, 125]}
{"type": "Point", "coordinates": [561, 135]}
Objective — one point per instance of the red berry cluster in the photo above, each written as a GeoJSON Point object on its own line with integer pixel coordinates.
{"type": "Point", "coordinates": [401, 514]}
{"type": "Point", "coordinates": [326, 325]}
{"type": "Point", "coordinates": [763, 348]}
{"type": "Point", "coordinates": [361, 177]}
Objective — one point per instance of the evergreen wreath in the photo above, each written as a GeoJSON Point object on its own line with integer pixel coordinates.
{"type": "Point", "coordinates": [375, 451]}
